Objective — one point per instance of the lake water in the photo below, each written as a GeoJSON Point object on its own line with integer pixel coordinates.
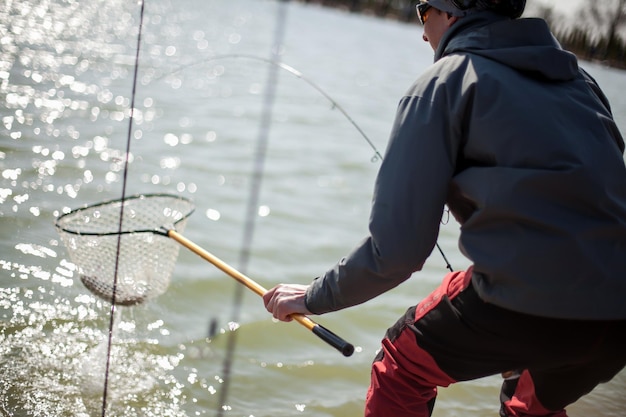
{"type": "Point", "coordinates": [65, 88]}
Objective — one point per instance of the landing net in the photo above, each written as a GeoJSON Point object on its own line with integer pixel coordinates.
{"type": "Point", "coordinates": [146, 255]}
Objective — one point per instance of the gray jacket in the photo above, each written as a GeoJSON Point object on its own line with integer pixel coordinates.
{"type": "Point", "coordinates": [521, 145]}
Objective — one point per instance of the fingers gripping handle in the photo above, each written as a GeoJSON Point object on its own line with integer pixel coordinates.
{"type": "Point", "coordinates": [326, 335]}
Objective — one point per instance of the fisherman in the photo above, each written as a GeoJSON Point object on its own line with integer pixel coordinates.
{"type": "Point", "coordinates": [519, 142]}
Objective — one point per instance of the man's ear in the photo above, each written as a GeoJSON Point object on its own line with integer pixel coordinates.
{"type": "Point", "coordinates": [451, 19]}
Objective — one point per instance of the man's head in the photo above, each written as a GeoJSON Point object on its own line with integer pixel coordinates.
{"type": "Point", "coordinates": [441, 14]}
{"type": "Point", "coordinates": [437, 16]}
{"type": "Point", "coordinates": [460, 8]}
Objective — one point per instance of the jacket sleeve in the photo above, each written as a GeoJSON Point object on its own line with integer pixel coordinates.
{"type": "Point", "coordinates": [409, 197]}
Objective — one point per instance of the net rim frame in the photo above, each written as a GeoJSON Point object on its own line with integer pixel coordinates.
{"type": "Point", "coordinates": [160, 231]}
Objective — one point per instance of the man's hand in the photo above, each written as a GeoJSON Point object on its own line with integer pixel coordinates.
{"type": "Point", "coordinates": [286, 299]}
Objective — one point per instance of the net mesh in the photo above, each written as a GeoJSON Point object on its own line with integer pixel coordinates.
{"type": "Point", "coordinates": [146, 255]}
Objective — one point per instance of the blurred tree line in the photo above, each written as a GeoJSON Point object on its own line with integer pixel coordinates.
{"type": "Point", "coordinates": [597, 35]}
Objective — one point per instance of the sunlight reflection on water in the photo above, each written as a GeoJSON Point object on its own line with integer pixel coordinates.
{"type": "Point", "coordinates": [64, 67]}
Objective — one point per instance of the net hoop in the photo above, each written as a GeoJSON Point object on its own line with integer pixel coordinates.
{"type": "Point", "coordinates": [127, 261]}
{"type": "Point", "coordinates": [66, 222]}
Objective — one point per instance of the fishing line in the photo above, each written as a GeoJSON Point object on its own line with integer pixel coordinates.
{"type": "Point", "coordinates": [119, 237]}
{"type": "Point", "coordinates": [255, 190]}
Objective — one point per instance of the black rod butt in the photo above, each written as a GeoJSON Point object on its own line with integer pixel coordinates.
{"type": "Point", "coordinates": [347, 349]}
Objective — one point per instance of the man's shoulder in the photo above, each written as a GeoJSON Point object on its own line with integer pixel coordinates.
{"type": "Point", "coordinates": [449, 72]}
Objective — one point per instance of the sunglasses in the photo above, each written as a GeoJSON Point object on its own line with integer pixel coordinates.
{"type": "Point", "coordinates": [422, 11]}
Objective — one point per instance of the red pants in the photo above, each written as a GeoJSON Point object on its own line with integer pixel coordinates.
{"type": "Point", "coordinates": [453, 335]}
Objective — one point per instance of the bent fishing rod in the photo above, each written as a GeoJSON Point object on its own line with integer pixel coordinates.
{"type": "Point", "coordinates": [298, 74]}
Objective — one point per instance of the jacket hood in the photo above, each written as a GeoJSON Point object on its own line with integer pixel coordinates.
{"type": "Point", "coordinates": [526, 45]}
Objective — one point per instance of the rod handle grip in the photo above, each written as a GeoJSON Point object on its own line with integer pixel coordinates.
{"type": "Point", "coordinates": [346, 349]}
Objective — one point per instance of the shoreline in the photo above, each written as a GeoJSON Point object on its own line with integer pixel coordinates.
{"type": "Point", "coordinates": [569, 41]}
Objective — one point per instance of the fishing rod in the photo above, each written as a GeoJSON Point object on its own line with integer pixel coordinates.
{"type": "Point", "coordinates": [335, 105]}
{"type": "Point", "coordinates": [298, 74]}
{"type": "Point", "coordinates": [377, 155]}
